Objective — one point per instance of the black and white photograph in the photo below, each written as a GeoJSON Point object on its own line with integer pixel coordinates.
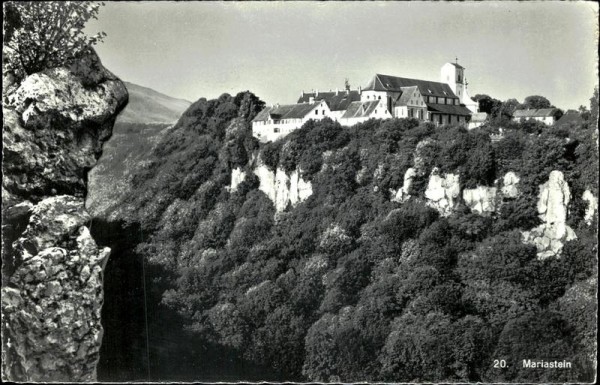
{"type": "Point", "coordinates": [300, 192]}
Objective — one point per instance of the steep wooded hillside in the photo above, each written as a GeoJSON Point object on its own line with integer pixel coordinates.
{"type": "Point", "coordinates": [366, 270]}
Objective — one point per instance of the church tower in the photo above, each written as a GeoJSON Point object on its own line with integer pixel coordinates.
{"type": "Point", "coordinates": [453, 74]}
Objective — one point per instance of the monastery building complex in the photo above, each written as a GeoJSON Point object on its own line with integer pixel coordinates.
{"type": "Point", "coordinates": [384, 97]}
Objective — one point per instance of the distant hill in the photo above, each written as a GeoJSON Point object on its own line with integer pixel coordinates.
{"type": "Point", "coordinates": [138, 129]}
{"type": "Point", "coordinates": [149, 106]}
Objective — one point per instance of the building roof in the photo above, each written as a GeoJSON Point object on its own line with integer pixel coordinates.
{"type": "Point", "coordinates": [394, 83]}
{"type": "Point", "coordinates": [448, 109]}
{"type": "Point", "coordinates": [336, 101]}
{"type": "Point", "coordinates": [533, 113]}
{"type": "Point", "coordinates": [478, 117]}
{"type": "Point", "coordinates": [569, 118]}
{"type": "Point", "coordinates": [289, 111]}
{"type": "Point", "coordinates": [457, 65]}
{"type": "Point", "coordinates": [407, 93]}
{"type": "Point", "coordinates": [360, 109]}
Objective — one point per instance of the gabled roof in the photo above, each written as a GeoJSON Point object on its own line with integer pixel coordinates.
{"type": "Point", "coordinates": [533, 113]}
{"type": "Point", "coordinates": [289, 111]}
{"type": "Point", "coordinates": [335, 102]}
{"type": "Point", "coordinates": [569, 118]}
{"type": "Point", "coordinates": [394, 83]}
{"type": "Point", "coordinates": [448, 109]}
{"type": "Point", "coordinates": [360, 109]}
{"type": "Point", "coordinates": [407, 93]}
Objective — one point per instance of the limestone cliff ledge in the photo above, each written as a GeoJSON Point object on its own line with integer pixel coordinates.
{"type": "Point", "coordinates": [54, 125]}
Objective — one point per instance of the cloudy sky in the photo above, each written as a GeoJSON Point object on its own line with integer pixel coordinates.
{"type": "Point", "coordinates": [275, 49]}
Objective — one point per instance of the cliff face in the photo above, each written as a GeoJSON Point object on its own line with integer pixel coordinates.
{"type": "Point", "coordinates": [553, 203]}
{"type": "Point", "coordinates": [54, 125]}
{"type": "Point", "coordinates": [282, 188]}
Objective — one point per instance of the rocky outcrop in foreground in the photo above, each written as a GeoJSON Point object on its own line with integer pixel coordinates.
{"type": "Point", "coordinates": [54, 125]}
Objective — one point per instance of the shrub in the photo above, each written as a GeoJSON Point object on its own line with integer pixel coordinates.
{"type": "Point", "coordinates": [47, 34]}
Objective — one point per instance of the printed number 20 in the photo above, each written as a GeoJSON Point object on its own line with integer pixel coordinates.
{"type": "Point", "coordinates": [499, 364]}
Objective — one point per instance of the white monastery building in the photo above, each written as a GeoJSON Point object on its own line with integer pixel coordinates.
{"type": "Point", "coordinates": [277, 121]}
{"type": "Point", "coordinates": [544, 115]}
{"type": "Point", "coordinates": [445, 102]}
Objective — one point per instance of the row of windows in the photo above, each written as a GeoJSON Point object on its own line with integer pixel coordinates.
{"type": "Point", "coordinates": [317, 112]}
{"type": "Point", "coordinates": [277, 121]}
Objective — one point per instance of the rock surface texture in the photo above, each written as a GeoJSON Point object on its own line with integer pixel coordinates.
{"type": "Point", "coordinates": [481, 199]}
{"type": "Point", "coordinates": [402, 194]}
{"type": "Point", "coordinates": [442, 192]}
{"type": "Point", "coordinates": [54, 125]}
{"type": "Point", "coordinates": [282, 188]}
{"type": "Point", "coordinates": [553, 202]}
{"type": "Point", "coordinates": [592, 208]}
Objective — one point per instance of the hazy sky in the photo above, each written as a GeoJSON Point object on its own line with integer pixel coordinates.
{"type": "Point", "coordinates": [276, 49]}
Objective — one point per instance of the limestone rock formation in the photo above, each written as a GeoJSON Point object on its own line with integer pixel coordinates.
{"type": "Point", "coordinates": [237, 177]}
{"type": "Point", "coordinates": [55, 122]}
{"type": "Point", "coordinates": [53, 300]}
{"type": "Point", "coordinates": [592, 208]}
{"type": "Point", "coordinates": [54, 126]}
{"type": "Point", "coordinates": [282, 188]}
{"type": "Point", "coordinates": [402, 194]}
{"type": "Point", "coordinates": [481, 199]}
{"type": "Point", "coordinates": [510, 185]}
{"type": "Point", "coordinates": [442, 192]}
{"type": "Point", "coordinates": [553, 202]}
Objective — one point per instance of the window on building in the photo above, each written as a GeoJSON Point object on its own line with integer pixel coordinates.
{"type": "Point", "coordinates": [379, 97]}
{"type": "Point", "coordinates": [421, 114]}
{"type": "Point", "coordinates": [316, 112]}
{"type": "Point", "coordinates": [323, 112]}
{"type": "Point", "coordinates": [276, 129]}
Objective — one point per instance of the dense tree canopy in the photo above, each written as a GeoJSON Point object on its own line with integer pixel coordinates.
{"type": "Point", "coordinates": [349, 285]}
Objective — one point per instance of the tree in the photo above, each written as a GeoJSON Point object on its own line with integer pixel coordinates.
{"type": "Point", "coordinates": [594, 108]}
{"type": "Point", "coordinates": [47, 34]}
{"type": "Point", "coordinates": [536, 102]}
{"type": "Point", "coordinates": [487, 103]}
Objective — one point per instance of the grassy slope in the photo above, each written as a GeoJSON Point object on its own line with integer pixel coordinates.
{"type": "Point", "coordinates": [149, 106]}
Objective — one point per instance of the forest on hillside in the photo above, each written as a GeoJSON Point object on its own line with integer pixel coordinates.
{"type": "Point", "coordinates": [349, 285]}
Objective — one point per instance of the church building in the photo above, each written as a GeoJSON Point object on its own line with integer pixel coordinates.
{"type": "Point", "coordinates": [444, 102]}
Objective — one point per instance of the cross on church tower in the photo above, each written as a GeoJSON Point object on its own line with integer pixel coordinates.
{"type": "Point", "coordinates": [456, 58]}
